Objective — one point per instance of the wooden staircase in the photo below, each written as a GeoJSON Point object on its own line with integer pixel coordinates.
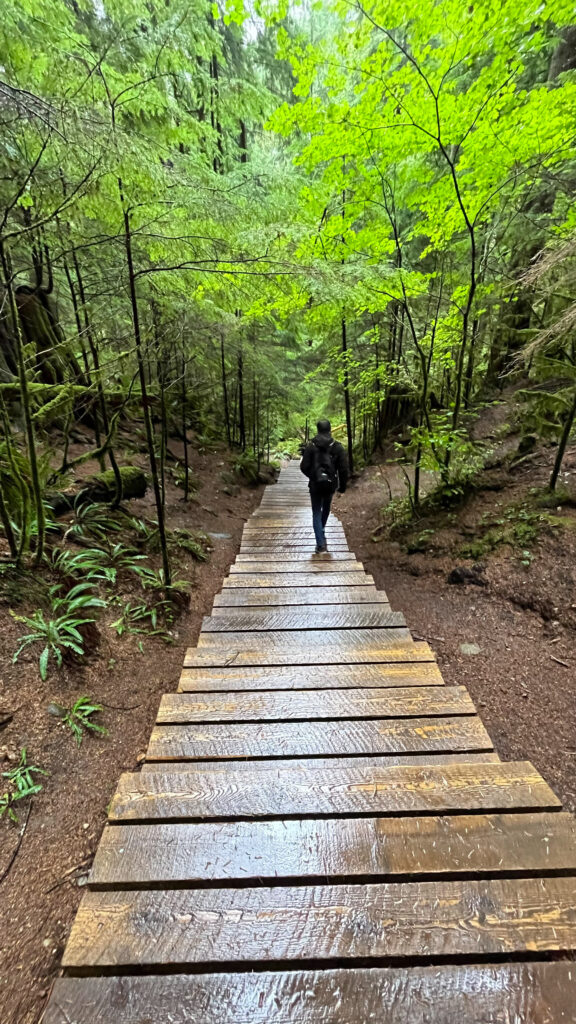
{"type": "Point", "coordinates": [322, 831]}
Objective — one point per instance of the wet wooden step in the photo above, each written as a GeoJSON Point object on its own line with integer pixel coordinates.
{"type": "Point", "coordinates": [269, 597]}
{"type": "Point", "coordinates": [330, 617]}
{"type": "Point", "coordinates": [293, 561]}
{"type": "Point", "coordinates": [323, 924]}
{"type": "Point", "coordinates": [291, 551]}
{"type": "Point", "coordinates": [268, 852]}
{"type": "Point", "coordinates": [333, 792]}
{"type": "Point", "coordinates": [263, 529]}
{"type": "Point", "coordinates": [291, 639]}
{"type": "Point", "coordinates": [354, 579]}
{"type": "Point", "coordinates": [397, 702]}
{"type": "Point", "coordinates": [322, 738]}
{"type": "Point", "coordinates": [317, 654]}
{"type": "Point", "coordinates": [517, 993]}
{"type": "Point", "coordinates": [313, 564]}
{"type": "Point", "coordinates": [317, 763]}
{"type": "Point", "coordinates": [422, 672]}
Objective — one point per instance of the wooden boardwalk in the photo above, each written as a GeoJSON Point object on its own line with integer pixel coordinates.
{"type": "Point", "coordinates": [322, 831]}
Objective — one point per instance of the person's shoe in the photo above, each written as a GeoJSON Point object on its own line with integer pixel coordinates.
{"type": "Point", "coordinates": [321, 549]}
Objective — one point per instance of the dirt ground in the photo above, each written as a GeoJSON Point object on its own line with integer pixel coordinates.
{"type": "Point", "coordinates": [40, 894]}
{"type": "Point", "coordinates": [518, 628]}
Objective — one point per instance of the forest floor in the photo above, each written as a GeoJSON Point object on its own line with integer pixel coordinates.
{"type": "Point", "coordinates": [509, 632]}
{"type": "Point", "coordinates": [40, 894]}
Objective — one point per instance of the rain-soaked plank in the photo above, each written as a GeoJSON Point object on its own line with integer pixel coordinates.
{"type": "Point", "coordinates": [323, 923]}
{"type": "Point", "coordinates": [346, 641]}
{"type": "Point", "coordinates": [321, 738]}
{"type": "Point", "coordinates": [267, 852]}
{"type": "Point", "coordinates": [307, 705]}
{"type": "Point", "coordinates": [339, 560]}
{"type": "Point", "coordinates": [316, 654]}
{"type": "Point", "coordinates": [423, 671]}
{"type": "Point", "coordinates": [330, 617]}
{"type": "Point", "coordinates": [518, 993]}
{"type": "Point", "coordinates": [272, 597]}
{"type": "Point", "coordinates": [356, 578]}
{"type": "Point", "coordinates": [367, 790]}
{"type": "Point", "coordinates": [283, 564]}
{"type": "Point", "coordinates": [317, 763]}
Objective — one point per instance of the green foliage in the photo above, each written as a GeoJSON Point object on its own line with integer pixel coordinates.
{"type": "Point", "coordinates": [245, 468]}
{"type": "Point", "coordinates": [21, 785]}
{"type": "Point", "coordinates": [518, 525]}
{"type": "Point", "coordinates": [143, 619]}
{"type": "Point", "coordinates": [59, 629]}
{"type": "Point", "coordinates": [95, 565]}
{"type": "Point", "coordinates": [94, 521]}
{"type": "Point", "coordinates": [78, 718]}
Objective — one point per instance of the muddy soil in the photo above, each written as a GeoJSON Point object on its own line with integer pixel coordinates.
{"type": "Point", "coordinates": [57, 834]}
{"type": "Point", "coordinates": [511, 636]}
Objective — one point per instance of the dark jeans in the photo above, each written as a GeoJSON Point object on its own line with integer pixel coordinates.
{"type": "Point", "coordinates": [321, 503]}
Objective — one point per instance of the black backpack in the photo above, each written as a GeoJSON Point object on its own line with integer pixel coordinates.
{"type": "Point", "coordinates": [324, 475]}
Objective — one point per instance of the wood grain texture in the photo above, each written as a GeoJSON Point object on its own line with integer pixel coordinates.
{"type": "Point", "coordinates": [327, 763]}
{"type": "Point", "coordinates": [317, 739]}
{"type": "Point", "coordinates": [326, 654]}
{"type": "Point", "coordinates": [525, 993]}
{"type": "Point", "coordinates": [272, 851]}
{"type": "Point", "coordinates": [262, 530]}
{"type": "Point", "coordinates": [369, 790]}
{"type": "Point", "coordinates": [270, 597]}
{"type": "Point", "coordinates": [340, 618]}
{"type": "Point", "coordinates": [308, 705]}
{"type": "Point", "coordinates": [291, 639]}
{"type": "Point", "coordinates": [313, 564]}
{"type": "Point", "coordinates": [338, 561]}
{"type": "Point", "coordinates": [356, 578]}
{"type": "Point", "coordinates": [423, 671]}
{"type": "Point", "coordinates": [324, 923]}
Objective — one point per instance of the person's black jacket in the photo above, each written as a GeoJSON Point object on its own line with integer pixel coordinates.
{"type": "Point", "coordinates": [338, 457]}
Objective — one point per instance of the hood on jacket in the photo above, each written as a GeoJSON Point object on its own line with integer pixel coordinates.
{"type": "Point", "coordinates": [322, 440]}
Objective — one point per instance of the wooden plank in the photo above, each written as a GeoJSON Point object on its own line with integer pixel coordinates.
{"type": "Point", "coordinates": [289, 529]}
{"type": "Point", "coordinates": [356, 578]}
{"type": "Point", "coordinates": [323, 677]}
{"type": "Point", "coordinates": [320, 738]}
{"type": "Point", "coordinates": [268, 852]}
{"type": "Point", "coordinates": [285, 565]}
{"type": "Point", "coordinates": [292, 639]}
{"type": "Point", "coordinates": [300, 557]}
{"type": "Point", "coordinates": [323, 923]}
{"type": "Point", "coordinates": [332, 617]}
{"type": "Point", "coordinates": [335, 792]}
{"type": "Point", "coordinates": [305, 764]}
{"type": "Point", "coordinates": [219, 656]}
{"type": "Point", "coordinates": [304, 705]}
{"type": "Point", "coordinates": [270, 597]}
{"type": "Point", "coordinates": [263, 529]}
{"type": "Point", "coordinates": [518, 993]}
{"type": "Point", "coordinates": [336, 549]}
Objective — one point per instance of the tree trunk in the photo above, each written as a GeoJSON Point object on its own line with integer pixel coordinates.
{"type": "Point", "coordinates": [241, 419]}
{"type": "Point", "coordinates": [225, 393]}
{"type": "Point", "coordinates": [26, 409]}
{"type": "Point", "coordinates": [143, 386]}
{"type": "Point", "coordinates": [562, 445]}
{"type": "Point", "coordinates": [346, 381]}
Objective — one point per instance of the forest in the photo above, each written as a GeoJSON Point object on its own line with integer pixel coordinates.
{"type": "Point", "coordinates": [221, 221]}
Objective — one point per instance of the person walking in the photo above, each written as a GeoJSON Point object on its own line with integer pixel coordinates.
{"type": "Point", "coordinates": [325, 464]}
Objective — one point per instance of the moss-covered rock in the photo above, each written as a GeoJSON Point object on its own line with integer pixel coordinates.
{"type": "Point", "coordinates": [102, 487]}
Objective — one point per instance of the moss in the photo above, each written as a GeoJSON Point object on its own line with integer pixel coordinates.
{"type": "Point", "coordinates": [134, 482]}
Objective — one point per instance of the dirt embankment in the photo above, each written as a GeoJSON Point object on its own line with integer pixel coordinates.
{"type": "Point", "coordinates": [509, 634]}
{"type": "Point", "coordinates": [40, 894]}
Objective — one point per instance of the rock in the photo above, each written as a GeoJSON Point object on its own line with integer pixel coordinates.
{"type": "Point", "coordinates": [464, 574]}
{"type": "Point", "coordinates": [527, 444]}
{"type": "Point", "coordinates": [470, 648]}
